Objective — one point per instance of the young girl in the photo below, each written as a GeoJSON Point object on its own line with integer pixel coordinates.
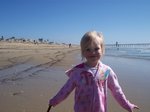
{"type": "Point", "coordinates": [90, 80]}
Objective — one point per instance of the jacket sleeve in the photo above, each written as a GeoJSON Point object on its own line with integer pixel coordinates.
{"type": "Point", "coordinates": [117, 92]}
{"type": "Point", "coordinates": [63, 92]}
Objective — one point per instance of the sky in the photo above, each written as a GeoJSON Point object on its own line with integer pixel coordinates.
{"type": "Point", "coordinates": [66, 21]}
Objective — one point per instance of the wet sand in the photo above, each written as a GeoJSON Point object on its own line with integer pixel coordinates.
{"type": "Point", "coordinates": [133, 75]}
{"type": "Point", "coordinates": [31, 74]}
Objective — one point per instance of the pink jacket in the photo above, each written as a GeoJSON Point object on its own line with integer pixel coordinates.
{"type": "Point", "coordinates": [91, 89]}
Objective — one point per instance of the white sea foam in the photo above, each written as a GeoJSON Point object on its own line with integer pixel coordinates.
{"type": "Point", "coordinates": [142, 53]}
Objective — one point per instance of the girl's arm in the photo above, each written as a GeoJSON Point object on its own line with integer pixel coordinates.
{"type": "Point", "coordinates": [117, 92]}
{"type": "Point", "coordinates": [63, 93]}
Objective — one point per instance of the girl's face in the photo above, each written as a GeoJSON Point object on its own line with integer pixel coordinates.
{"type": "Point", "coordinates": [93, 53]}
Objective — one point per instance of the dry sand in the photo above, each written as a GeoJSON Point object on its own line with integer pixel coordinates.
{"type": "Point", "coordinates": [31, 74]}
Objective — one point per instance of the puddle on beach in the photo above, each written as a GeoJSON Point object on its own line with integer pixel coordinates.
{"type": "Point", "coordinates": [18, 72]}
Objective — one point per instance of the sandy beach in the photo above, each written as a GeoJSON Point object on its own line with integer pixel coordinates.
{"type": "Point", "coordinates": [31, 74]}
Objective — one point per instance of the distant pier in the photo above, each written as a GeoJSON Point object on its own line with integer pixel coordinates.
{"type": "Point", "coordinates": [135, 45]}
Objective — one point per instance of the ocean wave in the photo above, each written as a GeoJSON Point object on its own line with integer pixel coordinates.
{"type": "Point", "coordinates": [141, 53]}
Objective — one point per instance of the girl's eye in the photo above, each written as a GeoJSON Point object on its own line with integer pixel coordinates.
{"type": "Point", "coordinates": [96, 49]}
{"type": "Point", "coordinates": [88, 49]}
{"type": "Point", "coordinates": [92, 50]}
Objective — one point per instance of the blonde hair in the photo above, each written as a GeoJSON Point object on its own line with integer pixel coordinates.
{"type": "Point", "coordinates": [88, 38]}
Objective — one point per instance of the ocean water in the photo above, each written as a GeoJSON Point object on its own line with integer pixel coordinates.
{"type": "Point", "coordinates": [129, 52]}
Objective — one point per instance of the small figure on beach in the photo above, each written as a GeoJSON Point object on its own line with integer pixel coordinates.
{"type": "Point", "coordinates": [91, 79]}
{"type": "Point", "coordinates": [69, 45]}
{"type": "Point", "coordinates": [117, 45]}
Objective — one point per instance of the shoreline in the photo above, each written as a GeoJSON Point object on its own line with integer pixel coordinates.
{"type": "Point", "coordinates": [131, 57]}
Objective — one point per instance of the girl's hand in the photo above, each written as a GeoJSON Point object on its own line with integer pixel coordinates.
{"type": "Point", "coordinates": [49, 108]}
{"type": "Point", "coordinates": [135, 107]}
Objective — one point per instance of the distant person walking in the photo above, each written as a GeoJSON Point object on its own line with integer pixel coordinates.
{"type": "Point", "coordinates": [69, 45]}
{"type": "Point", "coordinates": [91, 79]}
{"type": "Point", "coordinates": [117, 45]}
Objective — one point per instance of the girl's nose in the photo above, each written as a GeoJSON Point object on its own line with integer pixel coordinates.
{"type": "Point", "coordinates": [93, 52]}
